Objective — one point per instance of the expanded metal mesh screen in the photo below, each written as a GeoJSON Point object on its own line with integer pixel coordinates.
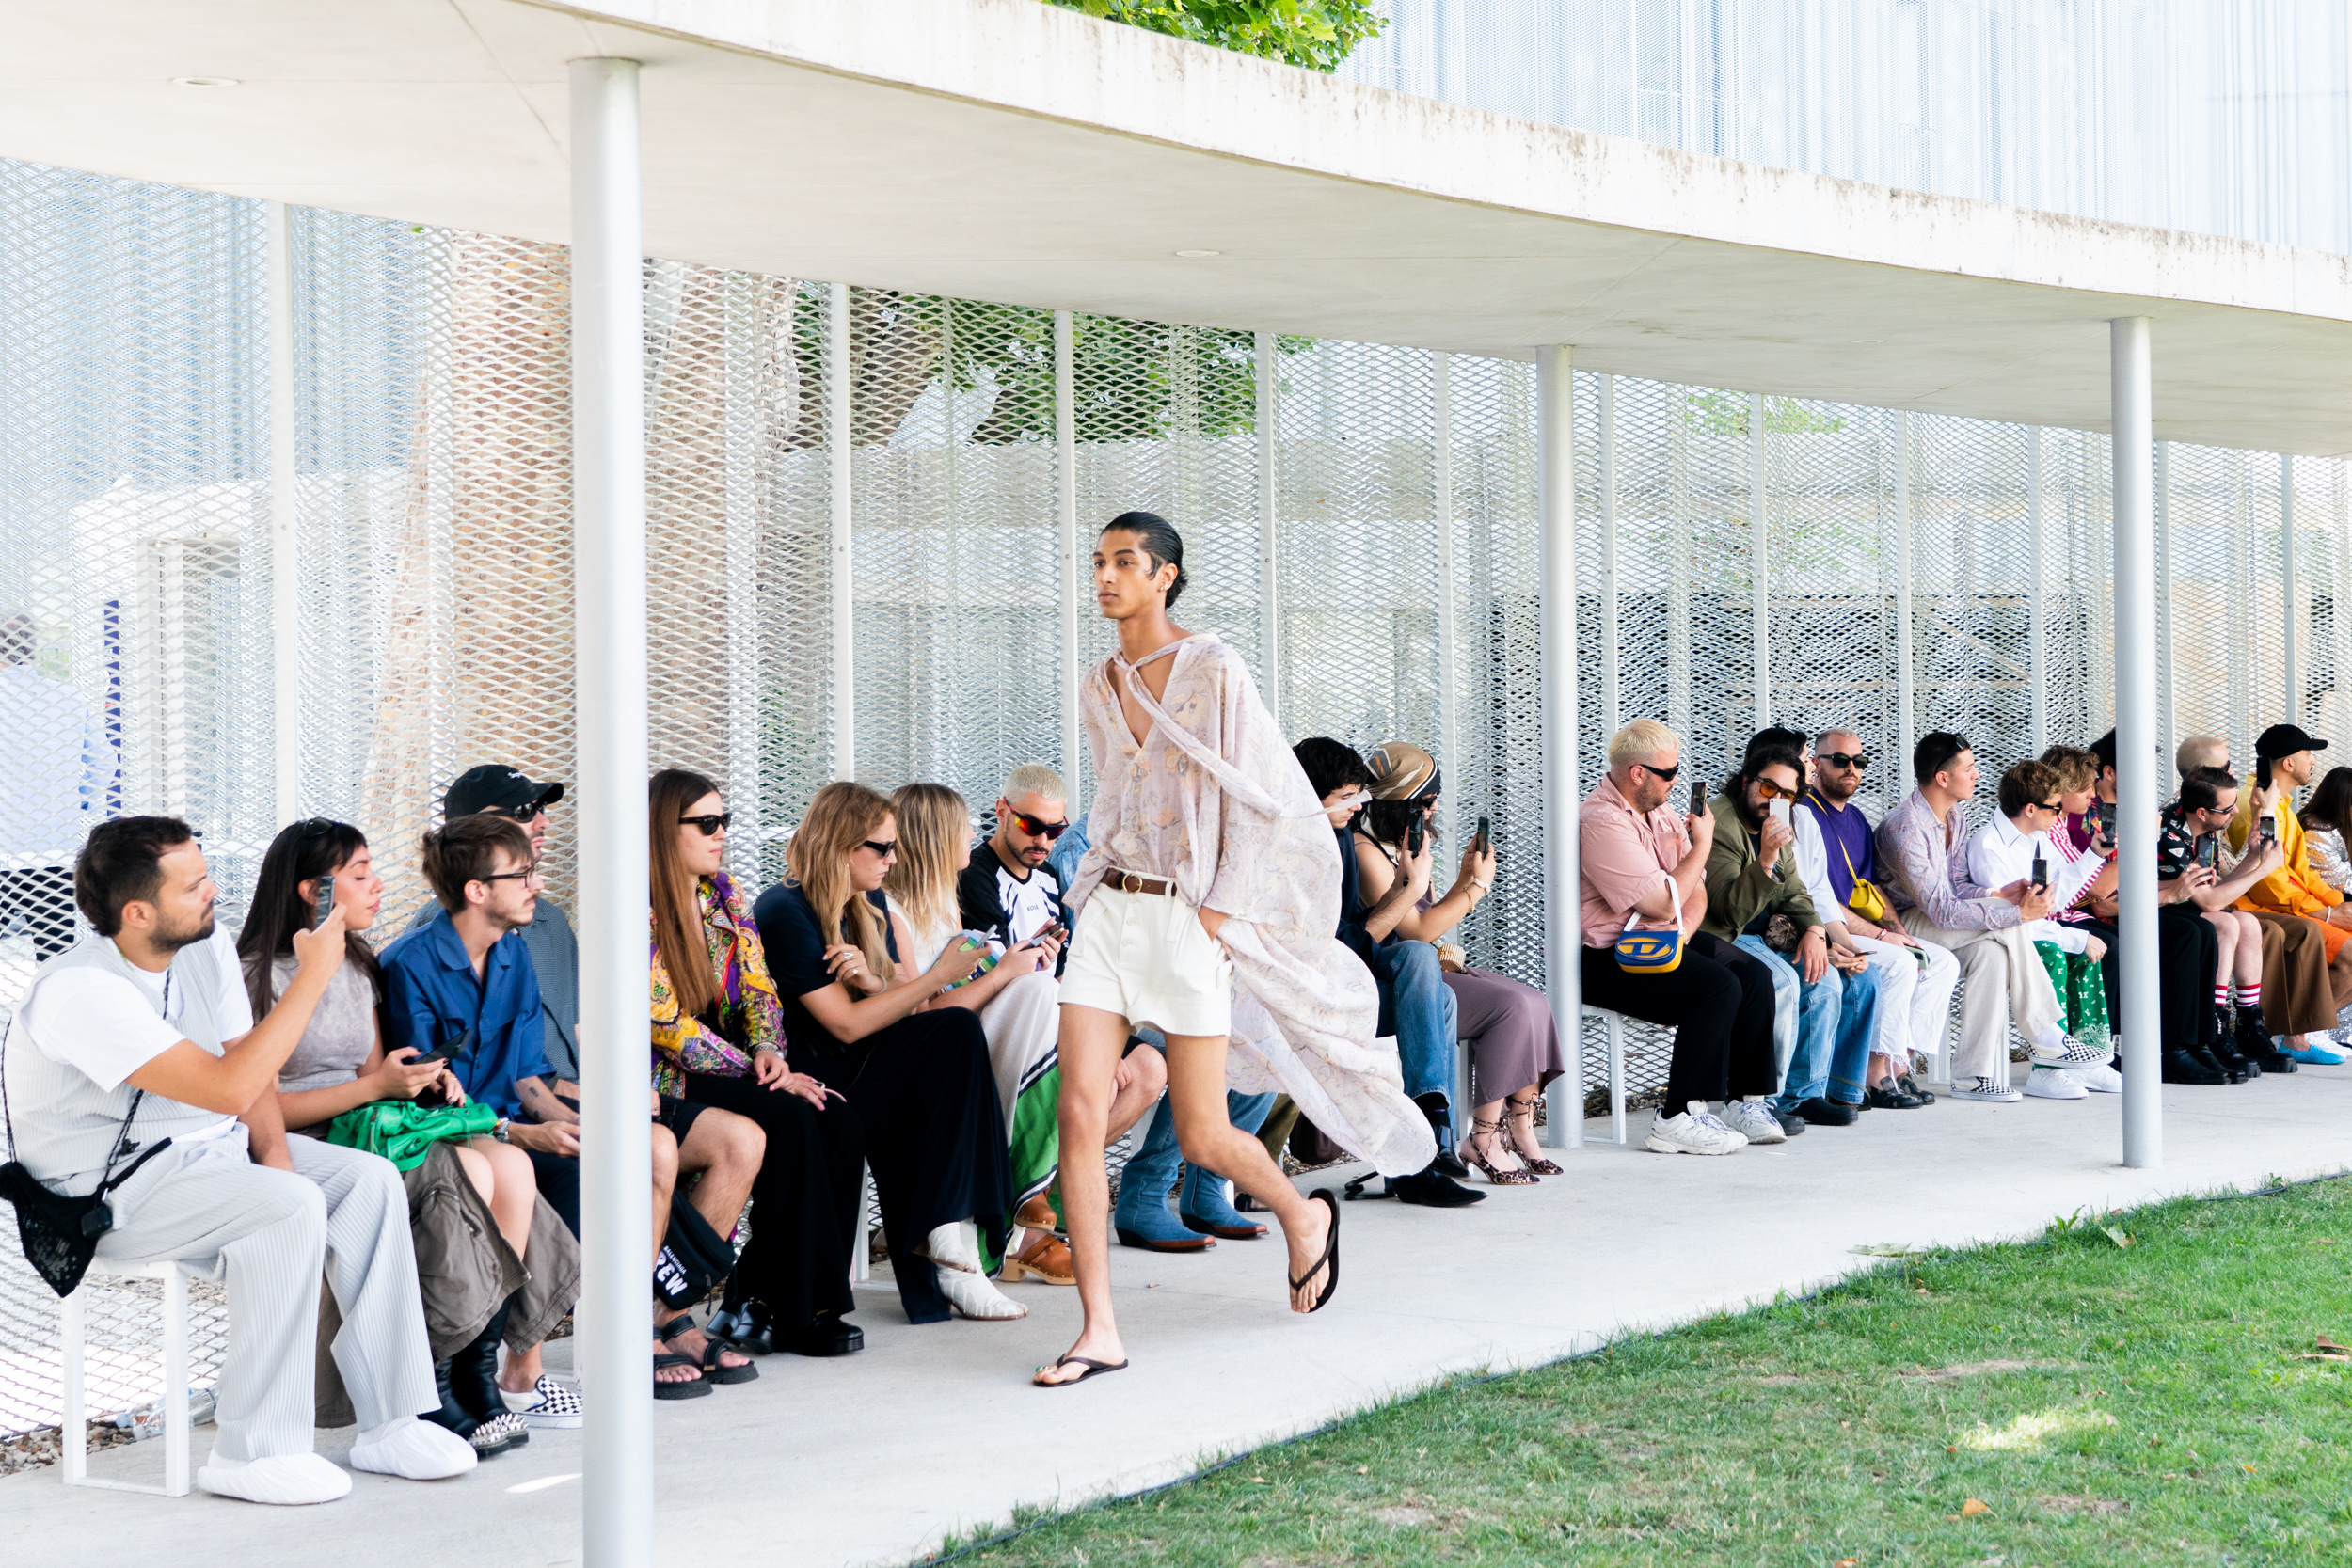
{"type": "Point", "coordinates": [1398, 535]}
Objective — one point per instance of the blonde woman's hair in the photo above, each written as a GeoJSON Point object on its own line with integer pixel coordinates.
{"type": "Point", "coordinates": [2077, 769]}
{"type": "Point", "coordinates": [933, 823]}
{"type": "Point", "coordinates": [842, 816]}
{"type": "Point", "coordinates": [1035, 778]}
{"type": "Point", "coordinates": [1639, 742]}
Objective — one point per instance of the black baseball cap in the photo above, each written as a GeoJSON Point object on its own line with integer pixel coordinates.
{"type": "Point", "coordinates": [2284, 740]}
{"type": "Point", "coordinates": [495, 787]}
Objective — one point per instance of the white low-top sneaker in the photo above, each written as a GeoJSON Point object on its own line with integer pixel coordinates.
{"type": "Point", "coordinates": [288, 1479]}
{"type": "Point", "coordinates": [1690, 1133]}
{"type": "Point", "coordinates": [1754, 1122]}
{"type": "Point", "coordinates": [1986, 1089]}
{"type": "Point", "coordinates": [2050, 1083]}
{"type": "Point", "coordinates": [2099, 1078]}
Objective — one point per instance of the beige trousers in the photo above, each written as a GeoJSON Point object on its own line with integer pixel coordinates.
{"type": "Point", "coordinates": [2002, 981]}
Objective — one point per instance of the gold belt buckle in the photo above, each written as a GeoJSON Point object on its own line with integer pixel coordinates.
{"type": "Point", "coordinates": [1130, 883]}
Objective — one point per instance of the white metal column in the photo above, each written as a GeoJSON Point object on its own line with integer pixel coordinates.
{"type": "Point", "coordinates": [1904, 734]}
{"type": "Point", "coordinates": [841, 477]}
{"type": "Point", "coordinates": [1442, 518]}
{"type": "Point", "coordinates": [2037, 630]}
{"type": "Point", "coordinates": [1066, 498]}
{"type": "Point", "coordinates": [285, 598]}
{"type": "Point", "coordinates": [2340, 621]}
{"type": "Point", "coordinates": [1612, 685]}
{"type": "Point", "coordinates": [2168, 740]}
{"type": "Point", "coordinates": [1759, 565]}
{"type": "Point", "coordinates": [2291, 646]}
{"type": "Point", "coordinates": [1555, 507]}
{"type": "Point", "coordinates": [2138, 785]}
{"type": "Point", "coordinates": [609, 550]}
{"type": "Point", "coordinates": [1269, 536]}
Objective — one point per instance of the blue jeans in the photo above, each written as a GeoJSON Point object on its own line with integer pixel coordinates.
{"type": "Point", "coordinates": [1809, 1019]}
{"type": "Point", "coordinates": [1150, 1170]}
{"type": "Point", "coordinates": [1857, 1031]}
{"type": "Point", "coordinates": [1426, 1013]}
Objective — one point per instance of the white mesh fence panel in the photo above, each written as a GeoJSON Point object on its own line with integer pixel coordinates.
{"type": "Point", "coordinates": [431, 468]}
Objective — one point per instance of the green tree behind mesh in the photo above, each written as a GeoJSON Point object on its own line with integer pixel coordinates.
{"type": "Point", "coordinates": [1317, 34]}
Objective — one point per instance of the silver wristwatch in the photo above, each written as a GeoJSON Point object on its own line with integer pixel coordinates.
{"type": "Point", "coordinates": [499, 1132]}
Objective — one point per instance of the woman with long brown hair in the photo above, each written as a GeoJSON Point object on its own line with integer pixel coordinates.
{"type": "Point", "coordinates": [859, 1014]}
{"type": "Point", "coordinates": [718, 1039]}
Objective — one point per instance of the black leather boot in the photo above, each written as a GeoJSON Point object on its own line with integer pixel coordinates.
{"type": "Point", "coordinates": [1448, 1163]}
{"type": "Point", "coordinates": [473, 1377]}
{"type": "Point", "coordinates": [2182, 1066]}
{"type": "Point", "coordinates": [2254, 1043]}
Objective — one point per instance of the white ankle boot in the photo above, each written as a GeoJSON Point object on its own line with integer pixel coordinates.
{"type": "Point", "coordinates": [956, 1249]}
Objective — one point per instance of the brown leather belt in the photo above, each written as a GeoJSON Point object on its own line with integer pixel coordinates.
{"type": "Point", "coordinates": [1129, 881]}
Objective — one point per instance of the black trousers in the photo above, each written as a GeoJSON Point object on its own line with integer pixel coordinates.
{"type": "Point", "coordinates": [1719, 999]}
{"type": "Point", "coordinates": [803, 1201]}
{"type": "Point", "coordinates": [2189, 954]}
{"type": "Point", "coordinates": [937, 1147]}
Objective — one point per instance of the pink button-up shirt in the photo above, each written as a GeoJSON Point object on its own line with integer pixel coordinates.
{"type": "Point", "coordinates": [1624, 856]}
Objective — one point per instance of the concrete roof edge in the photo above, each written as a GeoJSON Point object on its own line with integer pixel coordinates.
{"type": "Point", "coordinates": [1027, 57]}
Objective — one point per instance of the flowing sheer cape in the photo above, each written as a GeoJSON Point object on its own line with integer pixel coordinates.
{"type": "Point", "coordinates": [1215, 802]}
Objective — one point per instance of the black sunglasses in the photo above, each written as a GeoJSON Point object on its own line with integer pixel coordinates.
{"type": "Point", "coordinates": [1858, 761]}
{"type": "Point", "coordinates": [1039, 827]}
{"type": "Point", "coordinates": [1657, 772]}
{"type": "Point", "coordinates": [885, 850]}
{"type": "Point", "coordinates": [711, 826]}
{"type": "Point", "coordinates": [2054, 805]}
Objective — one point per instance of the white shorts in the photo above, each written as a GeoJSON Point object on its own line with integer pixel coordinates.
{"type": "Point", "coordinates": [1145, 957]}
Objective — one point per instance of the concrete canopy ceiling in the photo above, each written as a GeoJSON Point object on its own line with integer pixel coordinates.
{"type": "Point", "coordinates": [1003, 150]}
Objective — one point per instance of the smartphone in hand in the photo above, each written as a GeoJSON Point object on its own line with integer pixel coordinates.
{"type": "Point", "coordinates": [322, 901]}
{"type": "Point", "coordinates": [1698, 796]}
{"type": "Point", "coordinates": [2040, 873]}
{"type": "Point", "coordinates": [1484, 841]}
{"type": "Point", "coordinates": [1416, 834]}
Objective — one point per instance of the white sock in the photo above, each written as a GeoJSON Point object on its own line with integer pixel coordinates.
{"type": "Point", "coordinates": [2051, 1041]}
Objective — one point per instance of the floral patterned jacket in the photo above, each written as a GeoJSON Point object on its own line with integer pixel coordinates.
{"type": "Point", "coordinates": [749, 1018]}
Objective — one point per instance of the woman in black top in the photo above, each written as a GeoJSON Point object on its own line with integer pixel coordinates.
{"type": "Point", "coordinates": [852, 1018]}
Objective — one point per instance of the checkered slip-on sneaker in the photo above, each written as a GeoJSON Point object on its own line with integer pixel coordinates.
{"type": "Point", "coordinates": [549, 1403]}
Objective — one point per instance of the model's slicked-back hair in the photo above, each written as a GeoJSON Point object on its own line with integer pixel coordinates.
{"type": "Point", "coordinates": [1159, 540]}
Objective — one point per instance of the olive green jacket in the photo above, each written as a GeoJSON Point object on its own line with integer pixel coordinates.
{"type": "Point", "coordinates": [1739, 887]}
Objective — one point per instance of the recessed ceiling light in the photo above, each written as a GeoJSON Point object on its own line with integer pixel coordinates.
{"type": "Point", "coordinates": [206, 82]}
{"type": "Point", "coordinates": [1201, 253]}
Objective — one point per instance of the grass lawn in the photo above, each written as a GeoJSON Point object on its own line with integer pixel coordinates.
{"type": "Point", "coordinates": [2069, 1402]}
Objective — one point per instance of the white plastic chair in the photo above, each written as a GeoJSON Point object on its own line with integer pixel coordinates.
{"type": "Point", "coordinates": [76, 1416]}
{"type": "Point", "coordinates": [1613, 1027]}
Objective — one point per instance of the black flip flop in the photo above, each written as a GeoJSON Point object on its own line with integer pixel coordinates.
{"type": "Point", "coordinates": [693, 1388]}
{"type": "Point", "coordinates": [1330, 1258]}
{"type": "Point", "coordinates": [1093, 1368]}
{"type": "Point", "coordinates": [714, 1370]}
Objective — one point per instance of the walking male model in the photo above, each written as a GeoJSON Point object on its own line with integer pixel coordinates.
{"type": "Point", "coordinates": [1212, 896]}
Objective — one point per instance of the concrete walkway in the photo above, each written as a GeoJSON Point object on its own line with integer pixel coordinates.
{"type": "Point", "coordinates": [872, 1459]}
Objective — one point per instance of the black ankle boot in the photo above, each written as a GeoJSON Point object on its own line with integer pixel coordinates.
{"type": "Point", "coordinates": [2182, 1066]}
{"type": "Point", "coordinates": [473, 1371]}
{"type": "Point", "coordinates": [2252, 1039]}
{"type": "Point", "coordinates": [1448, 1162]}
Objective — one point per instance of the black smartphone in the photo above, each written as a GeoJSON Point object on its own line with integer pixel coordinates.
{"type": "Point", "coordinates": [2041, 872]}
{"type": "Point", "coordinates": [2261, 773]}
{"type": "Point", "coordinates": [1484, 841]}
{"type": "Point", "coordinates": [322, 901]}
{"type": "Point", "coordinates": [2209, 851]}
{"type": "Point", "coordinates": [1416, 834]}
{"type": "Point", "coordinates": [1698, 796]}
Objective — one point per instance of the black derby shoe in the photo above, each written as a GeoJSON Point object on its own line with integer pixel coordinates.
{"type": "Point", "coordinates": [826, 1336]}
{"type": "Point", "coordinates": [1432, 1190]}
{"type": "Point", "coordinates": [1450, 1163]}
{"type": "Point", "coordinates": [1825, 1112]}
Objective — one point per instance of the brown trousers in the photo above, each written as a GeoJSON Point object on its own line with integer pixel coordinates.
{"type": "Point", "coordinates": [2303, 991]}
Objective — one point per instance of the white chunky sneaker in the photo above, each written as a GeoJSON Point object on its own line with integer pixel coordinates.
{"type": "Point", "coordinates": [1986, 1089]}
{"type": "Point", "coordinates": [288, 1479]}
{"type": "Point", "coordinates": [1753, 1120]}
{"type": "Point", "coordinates": [2099, 1078]}
{"type": "Point", "coordinates": [2050, 1083]}
{"type": "Point", "coordinates": [1690, 1133]}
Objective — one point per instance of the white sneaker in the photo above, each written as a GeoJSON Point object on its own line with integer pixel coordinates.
{"type": "Point", "coordinates": [1693, 1135]}
{"type": "Point", "coordinates": [2099, 1078]}
{"type": "Point", "coordinates": [1985, 1089]}
{"type": "Point", "coordinates": [1753, 1120]}
{"type": "Point", "coordinates": [287, 1478]}
{"type": "Point", "coordinates": [2050, 1083]}
{"type": "Point", "coordinates": [416, 1451]}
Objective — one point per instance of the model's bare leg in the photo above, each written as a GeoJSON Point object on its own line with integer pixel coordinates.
{"type": "Point", "coordinates": [1205, 1131]}
{"type": "Point", "coordinates": [726, 1149]}
{"type": "Point", "coordinates": [1092, 1040]}
{"type": "Point", "coordinates": [1141, 1077]}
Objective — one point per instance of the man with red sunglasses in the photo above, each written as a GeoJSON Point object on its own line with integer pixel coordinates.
{"type": "Point", "coordinates": [1007, 891]}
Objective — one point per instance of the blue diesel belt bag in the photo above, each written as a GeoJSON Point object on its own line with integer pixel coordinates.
{"type": "Point", "coordinates": [1649, 952]}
